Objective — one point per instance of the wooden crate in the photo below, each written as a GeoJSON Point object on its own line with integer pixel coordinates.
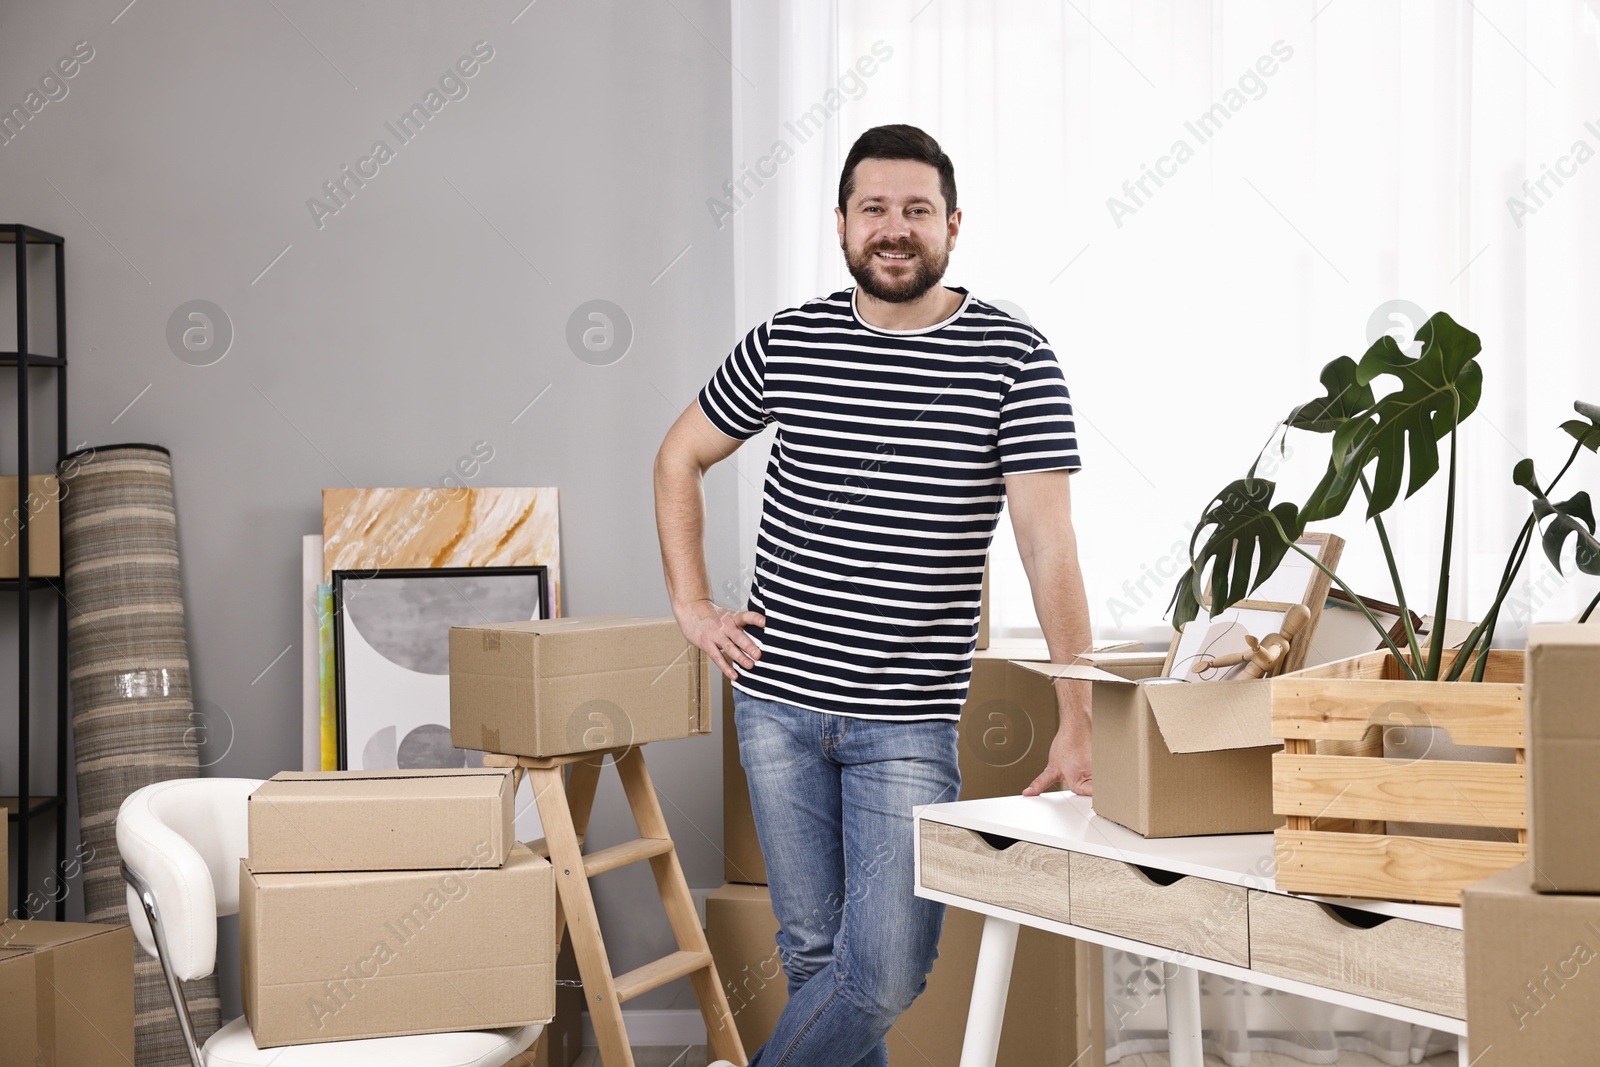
{"type": "Point", "coordinates": [1336, 803]}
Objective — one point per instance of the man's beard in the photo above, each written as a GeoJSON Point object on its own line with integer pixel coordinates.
{"type": "Point", "coordinates": [926, 270]}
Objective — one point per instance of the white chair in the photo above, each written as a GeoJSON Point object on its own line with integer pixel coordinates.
{"type": "Point", "coordinates": [181, 842]}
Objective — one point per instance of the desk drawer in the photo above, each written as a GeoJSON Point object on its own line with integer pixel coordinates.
{"type": "Point", "coordinates": [1396, 960]}
{"type": "Point", "coordinates": [1193, 915]}
{"type": "Point", "coordinates": [1018, 875]}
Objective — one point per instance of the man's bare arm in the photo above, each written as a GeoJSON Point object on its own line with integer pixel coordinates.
{"type": "Point", "coordinates": [1041, 516]}
{"type": "Point", "coordinates": [691, 448]}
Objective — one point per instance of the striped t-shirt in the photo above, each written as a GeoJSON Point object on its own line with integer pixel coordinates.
{"type": "Point", "coordinates": [882, 494]}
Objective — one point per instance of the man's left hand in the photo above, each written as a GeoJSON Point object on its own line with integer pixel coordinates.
{"type": "Point", "coordinates": [1069, 765]}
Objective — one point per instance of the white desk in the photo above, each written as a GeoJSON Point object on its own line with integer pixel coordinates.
{"type": "Point", "coordinates": [1062, 821]}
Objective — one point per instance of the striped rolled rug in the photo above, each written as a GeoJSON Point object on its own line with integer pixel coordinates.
{"type": "Point", "coordinates": [132, 708]}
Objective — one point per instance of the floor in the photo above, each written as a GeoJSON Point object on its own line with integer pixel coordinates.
{"type": "Point", "coordinates": [1273, 1059]}
{"type": "Point", "coordinates": [695, 1056]}
{"type": "Point", "coordinates": [679, 1056]}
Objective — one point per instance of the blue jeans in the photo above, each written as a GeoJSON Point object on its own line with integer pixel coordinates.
{"type": "Point", "coordinates": [832, 798]}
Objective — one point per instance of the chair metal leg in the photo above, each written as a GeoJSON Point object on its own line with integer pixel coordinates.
{"type": "Point", "coordinates": [174, 985]}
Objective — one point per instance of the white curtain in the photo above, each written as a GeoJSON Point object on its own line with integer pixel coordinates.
{"type": "Point", "coordinates": [1355, 164]}
{"type": "Point", "coordinates": [1201, 205]}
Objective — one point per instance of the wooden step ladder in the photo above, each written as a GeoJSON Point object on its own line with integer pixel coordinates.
{"type": "Point", "coordinates": [564, 788]}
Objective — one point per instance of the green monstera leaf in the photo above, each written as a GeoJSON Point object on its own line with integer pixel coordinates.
{"type": "Point", "coordinates": [1522, 474]}
{"type": "Point", "coordinates": [1345, 402]}
{"type": "Point", "coordinates": [1249, 536]}
{"type": "Point", "coordinates": [1587, 434]}
{"type": "Point", "coordinates": [1438, 390]}
{"type": "Point", "coordinates": [1345, 398]}
{"type": "Point", "coordinates": [1570, 518]}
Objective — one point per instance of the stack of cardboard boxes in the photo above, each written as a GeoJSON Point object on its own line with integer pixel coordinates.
{"type": "Point", "coordinates": [552, 687]}
{"type": "Point", "coordinates": [66, 990]}
{"type": "Point", "coordinates": [378, 904]}
{"type": "Point", "coordinates": [1006, 728]}
{"type": "Point", "coordinates": [1533, 932]}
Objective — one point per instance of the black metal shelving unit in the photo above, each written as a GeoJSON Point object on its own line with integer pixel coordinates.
{"type": "Point", "coordinates": [28, 806]}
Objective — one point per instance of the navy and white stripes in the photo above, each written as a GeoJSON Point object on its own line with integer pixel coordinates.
{"type": "Point", "coordinates": [882, 494]}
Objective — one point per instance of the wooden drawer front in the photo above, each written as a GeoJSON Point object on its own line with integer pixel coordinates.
{"type": "Point", "coordinates": [1192, 915]}
{"type": "Point", "coordinates": [1020, 875]}
{"type": "Point", "coordinates": [1396, 960]}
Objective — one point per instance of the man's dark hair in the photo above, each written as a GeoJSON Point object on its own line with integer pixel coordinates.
{"type": "Point", "coordinates": [898, 142]}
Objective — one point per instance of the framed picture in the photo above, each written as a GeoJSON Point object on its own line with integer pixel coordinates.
{"type": "Point", "coordinates": [443, 526]}
{"type": "Point", "coordinates": [391, 647]}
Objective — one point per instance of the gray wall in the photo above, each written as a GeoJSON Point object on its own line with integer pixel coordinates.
{"type": "Point", "coordinates": [418, 320]}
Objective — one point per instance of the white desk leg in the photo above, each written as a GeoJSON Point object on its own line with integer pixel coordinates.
{"type": "Point", "coordinates": [991, 981]}
{"type": "Point", "coordinates": [1183, 1018]}
{"type": "Point", "coordinates": [1461, 1051]}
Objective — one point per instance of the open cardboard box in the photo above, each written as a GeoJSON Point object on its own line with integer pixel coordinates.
{"type": "Point", "coordinates": [1176, 759]}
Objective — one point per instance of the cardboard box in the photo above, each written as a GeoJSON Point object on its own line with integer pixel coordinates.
{"type": "Point", "coordinates": [1173, 759]}
{"type": "Point", "coordinates": [553, 687]}
{"type": "Point", "coordinates": [19, 1008]}
{"type": "Point", "coordinates": [1562, 696]}
{"type": "Point", "coordinates": [1007, 722]}
{"type": "Point", "coordinates": [66, 994]}
{"type": "Point", "coordinates": [330, 956]}
{"type": "Point", "coordinates": [44, 526]}
{"type": "Point", "coordinates": [742, 931]}
{"type": "Point", "coordinates": [561, 1041]}
{"type": "Point", "coordinates": [1041, 1025]}
{"type": "Point", "coordinates": [381, 820]}
{"type": "Point", "coordinates": [1533, 974]}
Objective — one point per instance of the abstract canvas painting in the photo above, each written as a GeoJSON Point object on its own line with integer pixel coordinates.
{"type": "Point", "coordinates": [443, 526]}
{"type": "Point", "coordinates": [392, 649]}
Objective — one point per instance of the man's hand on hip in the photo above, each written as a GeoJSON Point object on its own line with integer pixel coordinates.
{"type": "Point", "coordinates": [720, 633]}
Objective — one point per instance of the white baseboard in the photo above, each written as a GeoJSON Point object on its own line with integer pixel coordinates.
{"type": "Point", "coordinates": [646, 1028]}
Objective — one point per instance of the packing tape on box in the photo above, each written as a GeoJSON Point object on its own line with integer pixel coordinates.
{"type": "Point", "coordinates": [142, 684]}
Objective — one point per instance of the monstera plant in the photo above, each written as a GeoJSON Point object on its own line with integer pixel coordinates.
{"type": "Point", "coordinates": [1379, 444]}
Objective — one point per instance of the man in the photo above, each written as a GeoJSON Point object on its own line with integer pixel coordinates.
{"type": "Point", "coordinates": [906, 413]}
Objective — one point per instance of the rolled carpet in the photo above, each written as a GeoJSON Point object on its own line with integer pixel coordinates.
{"type": "Point", "coordinates": [132, 708]}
